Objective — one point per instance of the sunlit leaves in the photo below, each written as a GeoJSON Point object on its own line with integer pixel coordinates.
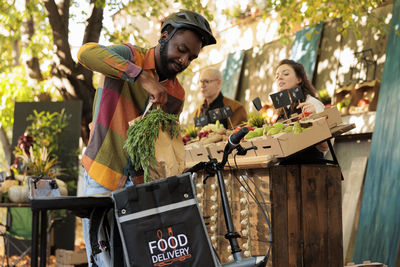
{"type": "Point", "coordinates": [295, 13]}
{"type": "Point", "coordinates": [14, 87]}
{"type": "Point", "coordinates": [150, 9]}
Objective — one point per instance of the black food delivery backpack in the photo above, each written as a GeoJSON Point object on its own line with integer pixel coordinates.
{"type": "Point", "coordinates": [160, 224]}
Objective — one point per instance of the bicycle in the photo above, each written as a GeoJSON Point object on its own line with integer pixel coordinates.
{"type": "Point", "coordinates": [152, 220]}
{"type": "Point", "coordinates": [212, 168]}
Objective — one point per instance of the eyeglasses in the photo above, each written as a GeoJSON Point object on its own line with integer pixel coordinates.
{"type": "Point", "coordinates": [206, 82]}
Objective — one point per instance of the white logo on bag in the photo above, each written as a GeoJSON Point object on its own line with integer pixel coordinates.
{"type": "Point", "coordinates": [171, 242]}
{"type": "Point", "coordinates": [166, 251]}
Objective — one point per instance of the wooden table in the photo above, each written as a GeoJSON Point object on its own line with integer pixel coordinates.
{"type": "Point", "coordinates": [14, 205]}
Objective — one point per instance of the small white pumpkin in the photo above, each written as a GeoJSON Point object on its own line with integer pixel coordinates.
{"type": "Point", "coordinates": [4, 186]}
{"type": "Point", "coordinates": [63, 191]}
{"type": "Point", "coordinates": [60, 183]}
{"type": "Point", "coordinates": [18, 193]}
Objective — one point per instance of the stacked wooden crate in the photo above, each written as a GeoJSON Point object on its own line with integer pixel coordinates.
{"type": "Point", "coordinates": [304, 202]}
{"type": "Point", "coordinates": [70, 258]}
{"type": "Point", "coordinates": [365, 264]}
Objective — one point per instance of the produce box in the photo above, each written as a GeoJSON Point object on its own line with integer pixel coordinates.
{"type": "Point", "coordinates": [217, 150]}
{"type": "Point", "coordinates": [188, 155]}
{"type": "Point", "coordinates": [70, 257]}
{"type": "Point", "coordinates": [198, 153]}
{"type": "Point", "coordinates": [365, 264]}
{"type": "Point", "coordinates": [332, 115]}
{"type": "Point", "coordinates": [250, 153]}
{"type": "Point", "coordinates": [285, 144]}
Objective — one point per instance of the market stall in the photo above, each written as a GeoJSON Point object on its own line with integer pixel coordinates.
{"type": "Point", "coordinates": [303, 201]}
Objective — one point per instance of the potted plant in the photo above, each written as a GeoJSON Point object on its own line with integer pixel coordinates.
{"type": "Point", "coordinates": [37, 151]}
{"type": "Point", "coordinates": [45, 155]}
{"type": "Point", "coordinates": [35, 164]}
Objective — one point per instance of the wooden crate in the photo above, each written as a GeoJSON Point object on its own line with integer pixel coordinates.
{"type": "Point", "coordinates": [70, 257]}
{"type": "Point", "coordinates": [306, 216]}
{"type": "Point", "coordinates": [305, 206]}
{"type": "Point", "coordinates": [365, 264]}
{"type": "Point", "coordinates": [209, 198]}
{"type": "Point", "coordinates": [285, 144]}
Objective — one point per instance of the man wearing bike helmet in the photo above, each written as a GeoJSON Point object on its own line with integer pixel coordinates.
{"type": "Point", "coordinates": [133, 76]}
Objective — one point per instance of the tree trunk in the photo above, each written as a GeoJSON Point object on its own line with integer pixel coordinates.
{"type": "Point", "coordinates": [31, 62]}
{"type": "Point", "coordinates": [15, 53]}
{"type": "Point", "coordinates": [6, 145]}
{"type": "Point", "coordinates": [75, 80]}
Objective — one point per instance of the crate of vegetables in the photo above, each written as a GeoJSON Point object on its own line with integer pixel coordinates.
{"type": "Point", "coordinates": [331, 114]}
{"type": "Point", "coordinates": [217, 150]}
{"type": "Point", "coordinates": [197, 153]}
{"type": "Point", "coordinates": [282, 140]}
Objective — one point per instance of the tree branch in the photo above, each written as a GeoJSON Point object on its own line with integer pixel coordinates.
{"type": "Point", "coordinates": [73, 81]}
{"type": "Point", "coordinates": [64, 11]}
{"type": "Point", "coordinates": [6, 145]}
{"type": "Point", "coordinates": [94, 23]}
{"type": "Point", "coordinates": [60, 36]}
{"type": "Point", "coordinates": [31, 62]}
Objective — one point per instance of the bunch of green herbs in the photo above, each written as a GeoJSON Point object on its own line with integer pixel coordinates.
{"type": "Point", "coordinates": [143, 134]}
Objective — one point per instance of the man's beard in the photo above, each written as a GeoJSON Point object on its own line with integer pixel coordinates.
{"type": "Point", "coordinates": [165, 71]}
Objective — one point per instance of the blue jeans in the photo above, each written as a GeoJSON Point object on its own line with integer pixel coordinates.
{"type": "Point", "coordinates": [91, 187]}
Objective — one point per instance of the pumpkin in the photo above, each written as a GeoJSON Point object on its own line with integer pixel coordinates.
{"type": "Point", "coordinates": [60, 183]}
{"type": "Point", "coordinates": [4, 186]}
{"type": "Point", "coordinates": [63, 191]}
{"type": "Point", "coordinates": [20, 177]}
{"type": "Point", "coordinates": [63, 187]}
{"type": "Point", "coordinates": [18, 193]}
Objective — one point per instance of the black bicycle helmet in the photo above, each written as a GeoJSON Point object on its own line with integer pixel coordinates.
{"type": "Point", "coordinates": [193, 21]}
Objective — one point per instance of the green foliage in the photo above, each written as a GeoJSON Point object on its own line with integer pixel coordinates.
{"type": "Point", "coordinates": [148, 9]}
{"type": "Point", "coordinates": [255, 119]}
{"type": "Point", "coordinates": [157, 8]}
{"type": "Point", "coordinates": [13, 87]}
{"type": "Point", "coordinates": [349, 12]}
{"type": "Point", "coordinates": [324, 96]}
{"type": "Point", "coordinates": [46, 128]}
{"type": "Point", "coordinates": [11, 23]}
{"type": "Point", "coordinates": [46, 150]}
{"type": "Point", "coordinates": [312, 12]}
{"type": "Point", "coordinates": [123, 35]}
{"type": "Point", "coordinates": [39, 162]}
{"type": "Point", "coordinates": [142, 136]}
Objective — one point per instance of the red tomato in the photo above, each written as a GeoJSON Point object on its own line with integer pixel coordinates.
{"type": "Point", "coordinates": [363, 102]}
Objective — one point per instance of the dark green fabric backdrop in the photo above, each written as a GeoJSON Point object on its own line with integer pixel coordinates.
{"type": "Point", "coordinates": [64, 233]}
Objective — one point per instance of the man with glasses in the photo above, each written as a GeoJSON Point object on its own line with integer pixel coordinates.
{"type": "Point", "coordinates": [210, 87]}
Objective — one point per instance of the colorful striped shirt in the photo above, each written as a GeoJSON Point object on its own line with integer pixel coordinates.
{"type": "Point", "coordinates": [119, 100]}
